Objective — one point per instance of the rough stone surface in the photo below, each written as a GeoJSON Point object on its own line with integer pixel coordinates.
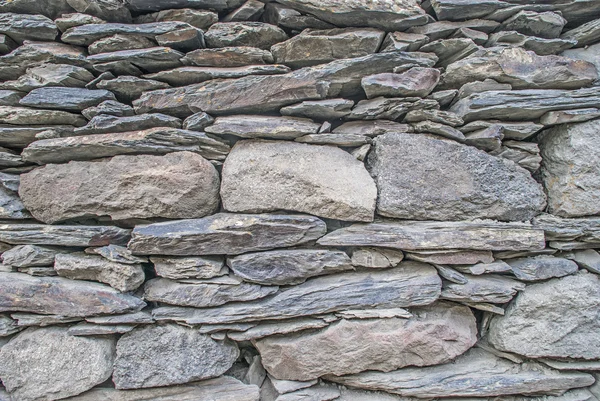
{"type": "Point", "coordinates": [225, 233]}
{"type": "Point", "coordinates": [155, 356]}
{"type": "Point", "coordinates": [49, 364]}
{"type": "Point", "coordinates": [255, 34]}
{"type": "Point", "coordinates": [188, 267]}
{"type": "Point", "coordinates": [26, 116]}
{"type": "Point", "coordinates": [417, 82]}
{"type": "Point", "coordinates": [558, 314]}
{"type": "Point", "coordinates": [288, 266]}
{"type": "Point", "coordinates": [463, 184]}
{"type": "Point", "coordinates": [177, 185]}
{"type": "Point", "coordinates": [30, 256]}
{"type": "Point", "coordinates": [486, 288]}
{"type": "Point", "coordinates": [541, 267]}
{"type": "Point", "coordinates": [69, 99]}
{"type": "Point", "coordinates": [352, 346]}
{"type": "Point", "coordinates": [320, 180]}
{"type": "Point", "coordinates": [110, 124]}
{"type": "Point", "coordinates": [248, 126]}
{"type": "Point", "coordinates": [570, 176]}
{"type": "Point", "coordinates": [75, 235]}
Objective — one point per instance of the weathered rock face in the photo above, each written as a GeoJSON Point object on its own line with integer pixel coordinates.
{"type": "Point", "coordinates": [49, 364]}
{"type": "Point", "coordinates": [177, 185]}
{"type": "Point", "coordinates": [225, 233]}
{"type": "Point", "coordinates": [464, 184]}
{"type": "Point", "coordinates": [164, 355]}
{"type": "Point", "coordinates": [569, 172]}
{"type": "Point", "coordinates": [40, 234]}
{"type": "Point", "coordinates": [417, 81]}
{"type": "Point", "coordinates": [188, 267]}
{"type": "Point", "coordinates": [69, 99]}
{"type": "Point", "coordinates": [541, 267]}
{"type": "Point", "coordinates": [255, 34]}
{"type": "Point", "coordinates": [248, 126]}
{"type": "Point", "coordinates": [260, 176]}
{"type": "Point", "coordinates": [61, 296]}
{"type": "Point", "coordinates": [559, 313]}
{"type": "Point", "coordinates": [351, 346]}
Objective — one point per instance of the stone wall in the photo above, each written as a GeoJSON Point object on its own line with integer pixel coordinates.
{"type": "Point", "coordinates": [300, 200]}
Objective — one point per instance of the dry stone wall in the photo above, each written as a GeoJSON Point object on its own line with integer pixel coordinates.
{"type": "Point", "coordinates": [299, 200]}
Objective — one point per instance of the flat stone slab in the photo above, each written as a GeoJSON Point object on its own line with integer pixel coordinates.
{"type": "Point", "coordinates": [188, 267]}
{"type": "Point", "coordinates": [412, 284]}
{"type": "Point", "coordinates": [225, 233]}
{"type": "Point", "coordinates": [61, 296]}
{"type": "Point", "coordinates": [66, 235]}
{"type": "Point", "coordinates": [85, 35]}
{"type": "Point", "coordinates": [192, 75]}
{"type": "Point", "coordinates": [25, 116]}
{"type": "Point", "coordinates": [476, 235]}
{"type": "Point", "coordinates": [69, 99]}
{"type": "Point", "coordinates": [249, 126]}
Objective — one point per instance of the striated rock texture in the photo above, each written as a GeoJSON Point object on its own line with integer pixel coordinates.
{"type": "Point", "coordinates": [177, 185]}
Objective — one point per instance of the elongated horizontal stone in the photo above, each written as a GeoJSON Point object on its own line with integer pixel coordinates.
{"type": "Point", "coordinates": [110, 124]}
{"type": "Point", "coordinates": [30, 256]}
{"type": "Point", "coordinates": [249, 126]}
{"type": "Point", "coordinates": [475, 374]}
{"type": "Point", "coordinates": [87, 34]}
{"type": "Point", "coordinates": [203, 294]}
{"type": "Point", "coordinates": [26, 116]}
{"type": "Point", "coordinates": [192, 75]}
{"type": "Point", "coordinates": [188, 267]}
{"type": "Point", "coordinates": [528, 104]}
{"type": "Point", "coordinates": [434, 334]}
{"type": "Point", "coordinates": [271, 92]}
{"type": "Point", "coordinates": [225, 233]}
{"type": "Point", "coordinates": [176, 185]}
{"type": "Point", "coordinates": [144, 6]}
{"type": "Point", "coordinates": [60, 296]}
{"type": "Point", "coordinates": [411, 284]}
{"type": "Point", "coordinates": [246, 33]}
{"type": "Point", "coordinates": [288, 266]}
{"type": "Point", "coordinates": [486, 288]}
{"type": "Point", "coordinates": [585, 229]}
{"type": "Point", "coordinates": [541, 267]}
{"type": "Point", "coordinates": [266, 176]}
{"type": "Point", "coordinates": [19, 136]}
{"type": "Point", "coordinates": [273, 328]}
{"type": "Point", "coordinates": [22, 27]}
{"type": "Point", "coordinates": [150, 141]}
{"type": "Point", "coordinates": [69, 99]}
{"type": "Point", "coordinates": [151, 59]}
{"type": "Point", "coordinates": [411, 235]}
{"type": "Point", "coordinates": [228, 57]}
{"type": "Point", "coordinates": [68, 235]}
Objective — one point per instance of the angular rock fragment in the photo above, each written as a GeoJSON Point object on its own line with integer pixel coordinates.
{"type": "Point", "coordinates": [569, 116]}
{"type": "Point", "coordinates": [20, 27]}
{"type": "Point", "coordinates": [487, 288]}
{"type": "Point", "coordinates": [110, 107]}
{"type": "Point", "coordinates": [474, 374]}
{"type": "Point", "coordinates": [585, 229]}
{"type": "Point", "coordinates": [249, 11]}
{"type": "Point", "coordinates": [151, 59]}
{"type": "Point", "coordinates": [587, 258]}
{"type": "Point", "coordinates": [30, 256]}
{"type": "Point", "coordinates": [128, 88]}
{"type": "Point", "coordinates": [417, 82]}
{"type": "Point", "coordinates": [199, 18]}
{"type": "Point", "coordinates": [79, 266]}
{"type": "Point", "coordinates": [10, 98]}
{"type": "Point", "coordinates": [541, 46]}
{"type": "Point", "coordinates": [203, 294]}
{"type": "Point", "coordinates": [376, 258]}
{"type": "Point", "coordinates": [250, 126]}
{"type": "Point", "coordinates": [71, 20]}
{"type": "Point", "coordinates": [371, 128]}
{"type": "Point", "coordinates": [69, 99]}
{"type": "Point", "coordinates": [557, 313]}
{"type": "Point", "coordinates": [49, 364]}
{"type": "Point", "coordinates": [176, 268]}
{"type": "Point", "coordinates": [198, 121]}
{"type": "Point", "coordinates": [228, 57]}
{"type": "Point", "coordinates": [11, 206]}
{"type": "Point", "coordinates": [73, 235]}
{"type": "Point", "coordinates": [335, 139]}
{"type": "Point", "coordinates": [312, 47]}
{"type": "Point", "coordinates": [154, 355]}
{"type": "Point", "coordinates": [488, 139]}
{"type": "Point", "coordinates": [225, 233]}
{"type": "Point", "coordinates": [443, 130]}
{"type": "Point", "coordinates": [192, 75]}
{"type": "Point", "coordinates": [569, 171]}
{"type": "Point", "coordinates": [87, 34]}
{"type": "Point", "coordinates": [359, 344]}
{"type": "Point", "coordinates": [61, 296]}
{"type": "Point", "coordinates": [8, 326]}
{"type": "Point", "coordinates": [253, 34]}
{"type": "Point", "coordinates": [547, 24]}
{"type": "Point", "coordinates": [184, 39]}
{"type": "Point", "coordinates": [436, 116]}
{"type": "Point", "coordinates": [443, 29]}
{"type": "Point", "coordinates": [382, 108]}
{"type": "Point", "coordinates": [272, 328]}
{"type": "Point", "coordinates": [176, 185]}
{"type": "Point", "coordinates": [400, 164]}
{"type": "Point", "coordinates": [151, 141]}
{"type": "Point", "coordinates": [32, 319]}
{"type": "Point", "coordinates": [477, 235]}
{"type": "Point", "coordinates": [449, 51]}
{"type": "Point", "coordinates": [104, 124]}
{"type": "Point", "coordinates": [402, 41]}
{"type": "Point", "coordinates": [328, 109]}
{"type": "Point", "coordinates": [453, 258]}
{"type": "Point", "coordinates": [411, 284]}
{"type": "Point", "coordinates": [287, 267]}
{"type": "Point", "coordinates": [344, 192]}
{"type": "Point", "coordinates": [89, 329]}
{"type": "Point", "coordinates": [142, 317]}
{"type": "Point", "coordinates": [541, 267]}
{"type": "Point", "coordinates": [26, 116]}
{"type": "Point", "coordinates": [117, 254]}
{"type": "Point", "coordinates": [510, 130]}
{"type": "Point", "coordinates": [585, 34]}
{"type": "Point", "coordinates": [120, 42]}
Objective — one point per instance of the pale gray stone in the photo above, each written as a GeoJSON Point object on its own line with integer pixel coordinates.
{"type": "Point", "coordinates": [49, 364]}
{"type": "Point", "coordinates": [498, 266]}
{"type": "Point", "coordinates": [401, 164]}
{"type": "Point", "coordinates": [164, 355]}
{"type": "Point", "coordinates": [142, 317]}
{"type": "Point", "coordinates": [474, 374]}
{"type": "Point", "coordinates": [335, 140]}
{"type": "Point", "coordinates": [237, 56]}
{"type": "Point", "coordinates": [71, 20]}
{"type": "Point", "coordinates": [481, 86]}
{"type": "Point", "coordinates": [586, 229]}
{"type": "Point", "coordinates": [188, 267]}
{"type": "Point", "coordinates": [569, 116]}
{"type": "Point", "coordinates": [411, 236]}
{"type": "Point", "coordinates": [250, 126]}
{"type": "Point", "coordinates": [192, 75]}
{"type": "Point", "coordinates": [65, 235]}
{"type": "Point", "coordinates": [89, 329]}
{"type": "Point", "coordinates": [282, 175]}
{"type": "Point", "coordinates": [151, 59]}
{"type": "Point", "coordinates": [541, 267]}
{"type": "Point", "coordinates": [352, 346]}
{"type": "Point", "coordinates": [25, 116]}
{"type": "Point", "coordinates": [110, 10]}
{"type": "Point", "coordinates": [511, 130]}
{"type": "Point", "coordinates": [435, 116]}
{"type": "Point", "coordinates": [50, 75]}
{"type": "Point", "coordinates": [585, 34]}
{"type": "Point", "coordinates": [286, 267]}
{"type": "Point", "coordinates": [319, 392]}
{"type": "Point", "coordinates": [452, 257]}
{"type": "Point", "coordinates": [105, 124]}
{"type": "Point", "coordinates": [234, 34]}
{"type": "Point", "coordinates": [85, 35]}
{"type": "Point", "coordinates": [449, 51]}
{"type": "Point", "coordinates": [199, 18]}
{"type": "Point", "coordinates": [329, 109]}
{"type": "Point", "coordinates": [128, 88]}
{"type": "Point", "coordinates": [273, 328]}
{"type": "Point", "coordinates": [489, 288]}
{"type": "Point", "coordinates": [587, 258]}
{"type": "Point", "coordinates": [411, 284]}
{"type": "Point", "coordinates": [541, 46]}
{"type": "Point", "coordinates": [110, 107]}
{"type": "Point", "coordinates": [436, 128]}
{"type": "Point", "coordinates": [21, 27]}
{"type": "Point", "coordinates": [176, 185]}
{"type": "Point", "coordinates": [69, 99]}
{"type": "Point", "coordinates": [31, 319]}
{"type": "Point", "coordinates": [31, 256]}
{"type": "Point", "coordinates": [117, 254]}
{"type": "Point", "coordinates": [417, 81]}
{"type": "Point", "coordinates": [547, 24]}
{"type": "Point", "coordinates": [384, 108]}
{"type": "Point", "coordinates": [371, 128]}
{"type": "Point", "coordinates": [8, 326]}
{"type": "Point", "coordinates": [487, 139]}
{"type": "Point", "coordinates": [478, 37]}
{"type": "Point", "coordinates": [224, 233]}
{"type": "Point", "coordinates": [556, 314]}
{"type": "Point", "coordinates": [375, 258]}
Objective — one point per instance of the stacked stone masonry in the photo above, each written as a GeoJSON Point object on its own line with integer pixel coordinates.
{"type": "Point", "coordinates": [299, 200]}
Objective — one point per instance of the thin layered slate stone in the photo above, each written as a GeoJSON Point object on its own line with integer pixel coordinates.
{"type": "Point", "coordinates": [203, 294]}
{"type": "Point", "coordinates": [154, 356]}
{"type": "Point", "coordinates": [44, 364]}
{"type": "Point", "coordinates": [570, 170]}
{"type": "Point", "coordinates": [560, 314]}
{"type": "Point", "coordinates": [490, 288]}
{"type": "Point", "coordinates": [24, 116]}
{"type": "Point", "coordinates": [462, 182]}
{"type": "Point", "coordinates": [519, 105]}
{"type": "Point", "coordinates": [188, 267]}
{"type": "Point", "coordinates": [249, 126]}
{"type": "Point", "coordinates": [68, 235]}
{"type": "Point", "coordinates": [266, 176]}
{"type": "Point", "coordinates": [85, 35]}
{"type": "Point", "coordinates": [411, 284]}
{"type": "Point", "coordinates": [223, 388]}
{"type": "Point", "coordinates": [30, 256]}
{"type": "Point", "coordinates": [20, 27]}
{"type": "Point", "coordinates": [176, 185]}
{"type": "Point", "coordinates": [69, 99]}
{"type": "Point", "coordinates": [271, 92]}
{"type": "Point", "coordinates": [255, 34]}
{"type": "Point", "coordinates": [585, 229]}
{"type": "Point", "coordinates": [50, 75]}
{"type": "Point", "coordinates": [396, 15]}
{"type": "Point", "coordinates": [434, 334]}
{"type": "Point", "coordinates": [225, 233]}
{"type": "Point", "coordinates": [541, 267]}
{"type": "Point", "coordinates": [150, 141]}
{"type": "Point", "coordinates": [475, 374]}
{"type": "Point", "coordinates": [144, 6]}
{"type": "Point", "coordinates": [60, 296]}
{"type": "Point", "coordinates": [152, 59]}
{"type": "Point", "coordinates": [289, 266]}
{"type": "Point", "coordinates": [192, 75]}
{"type": "Point", "coordinates": [416, 235]}
{"type": "Point", "coordinates": [228, 57]}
